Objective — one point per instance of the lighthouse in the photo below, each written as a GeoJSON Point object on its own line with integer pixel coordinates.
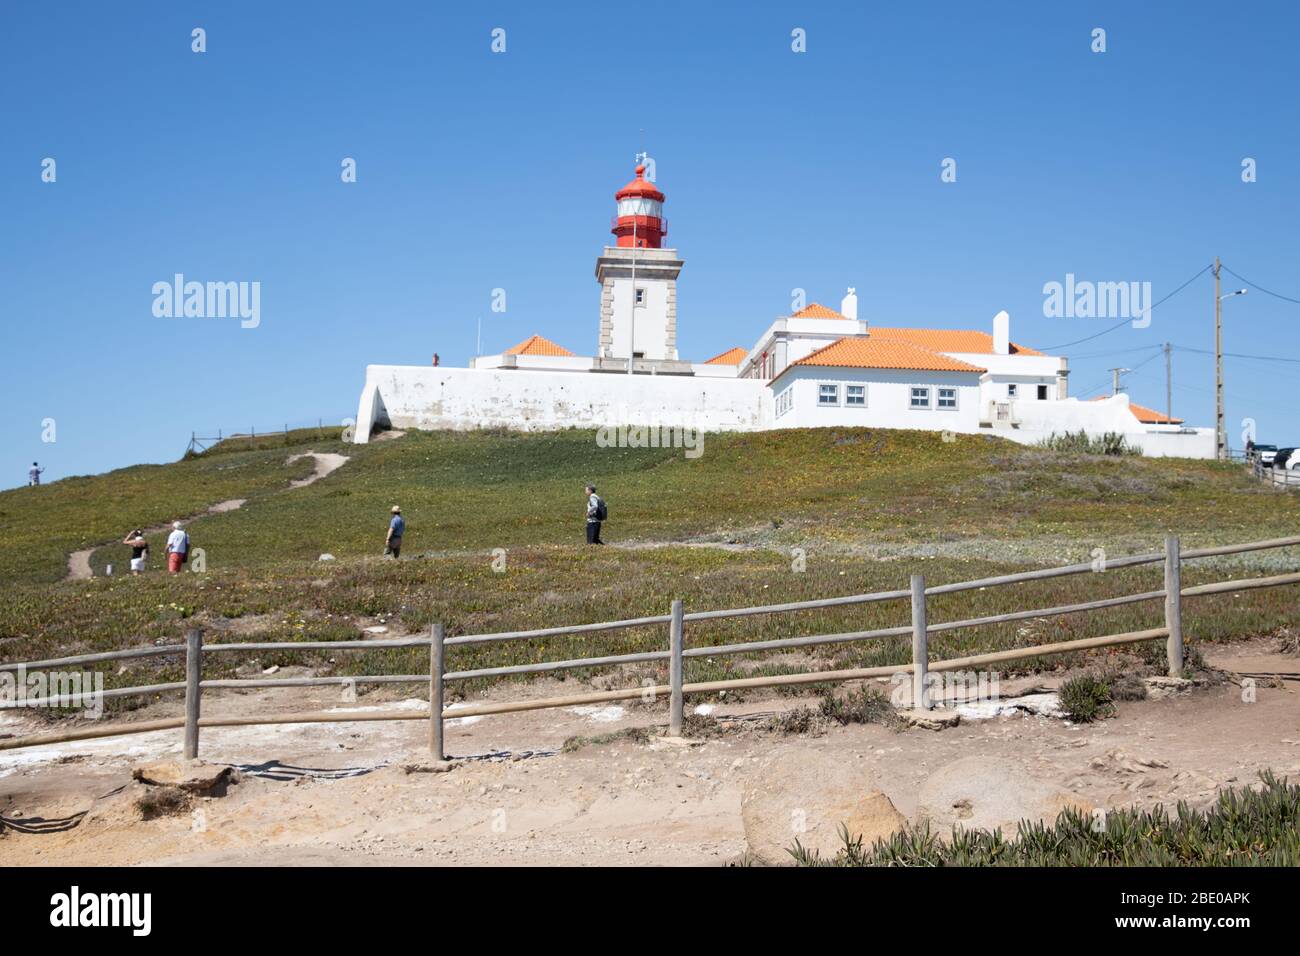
{"type": "Point", "coordinates": [640, 222]}
{"type": "Point", "coordinates": [638, 286]}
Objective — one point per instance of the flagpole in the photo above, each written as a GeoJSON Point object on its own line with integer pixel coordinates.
{"type": "Point", "coordinates": [631, 345]}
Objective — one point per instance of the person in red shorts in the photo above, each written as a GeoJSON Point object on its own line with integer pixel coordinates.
{"type": "Point", "coordinates": [178, 548]}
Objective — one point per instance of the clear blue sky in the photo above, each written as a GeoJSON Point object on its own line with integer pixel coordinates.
{"type": "Point", "coordinates": [479, 170]}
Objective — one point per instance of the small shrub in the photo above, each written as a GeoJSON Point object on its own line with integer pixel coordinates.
{"type": "Point", "coordinates": [801, 720]}
{"type": "Point", "coordinates": [636, 735]}
{"type": "Point", "coordinates": [1128, 687]}
{"type": "Point", "coordinates": [863, 706]}
{"type": "Point", "coordinates": [1081, 443]}
{"type": "Point", "coordinates": [1086, 698]}
{"type": "Point", "coordinates": [162, 802]}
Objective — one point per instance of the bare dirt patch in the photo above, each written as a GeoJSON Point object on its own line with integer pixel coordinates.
{"type": "Point", "coordinates": [330, 793]}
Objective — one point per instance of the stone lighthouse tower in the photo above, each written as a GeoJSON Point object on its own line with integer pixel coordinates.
{"type": "Point", "coordinates": [638, 286]}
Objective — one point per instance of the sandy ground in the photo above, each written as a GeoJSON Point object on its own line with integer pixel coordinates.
{"type": "Point", "coordinates": [342, 793]}
{"type": "Point", "coordinates": [326, 463]}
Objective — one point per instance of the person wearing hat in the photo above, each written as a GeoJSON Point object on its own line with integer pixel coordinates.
{"type": "Point", "coordinates": [596, 514]}
{"type": "Point", "coordinates": [396, 527]}
{"type": "Point", "coordinates": [139, 550]}
{"type": "Point", "coordinates": [178, 548]}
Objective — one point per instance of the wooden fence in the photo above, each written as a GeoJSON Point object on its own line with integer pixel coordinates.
{"type": "Point", "coordinates": [1281, 478]}
{"type": "Point", "coordinates": [920, 629]}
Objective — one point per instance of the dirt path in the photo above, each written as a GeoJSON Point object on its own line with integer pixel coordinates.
{"type": "Point", "coordinates": [339, 793]}
{"type": "Point", "coordinates": [326, 463]}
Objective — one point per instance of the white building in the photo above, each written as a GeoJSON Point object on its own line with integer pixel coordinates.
{"type": "Point", "coordinates": [814, 368]}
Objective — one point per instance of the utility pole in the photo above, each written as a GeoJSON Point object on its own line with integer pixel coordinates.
{"type": "Point", "coordinates": [1220, 434]}
{"type": "Point", "coordinates": [1169, 383]}
{"type": "Point", "coordinates": [631, 328]}
{"type": "Point", "coordinates": [1115, 374]}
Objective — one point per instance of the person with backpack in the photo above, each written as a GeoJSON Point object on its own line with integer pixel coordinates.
{"type": "Point", "coordinates": [139, 550]}
{"type": "Point", "coordinates": [178, 548]}
{"type": "Point", "coordinates": [596, 515]}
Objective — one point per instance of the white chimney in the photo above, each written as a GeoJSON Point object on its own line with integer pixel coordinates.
{"type": "Point", "coordinates": [1002, 333]}
{"type": "Point", "coordinates": [849, 305]}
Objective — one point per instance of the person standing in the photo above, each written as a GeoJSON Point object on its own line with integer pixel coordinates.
{"type": "Point", "coordinates": [596, 515]}
{"type": "Point", "coordinates": [396, 528]}
{"type": "Point", "coordinates": [139, 550]}
{"type": "Point", "coordinates": [34, 474]}
{"type": "Point", "coordinates": [178, 548]}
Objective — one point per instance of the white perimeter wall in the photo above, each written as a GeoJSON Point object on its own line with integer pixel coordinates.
{"type": "Point", "coordinates": [461, 399]}
{"type": "Point", "coordinates": [1039, 420]}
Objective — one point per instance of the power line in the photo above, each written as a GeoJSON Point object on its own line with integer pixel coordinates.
{"type": "Point", "coordinates": [1276, 295]}
{"type": "Point", "coordinates": [1240, 355]}
{"type": "Point", "coordinates": [1066, 345]}
{"type": "Point", "coordinates": [1088, 355]}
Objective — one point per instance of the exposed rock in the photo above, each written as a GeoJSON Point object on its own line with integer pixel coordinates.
{"type": "Point", "coordinates": [988, 793]}
{"type": "Point", "coordinates": [1162, 687]}
{"type": "Point", "coordinates": [192, 776]}
{"type": "Point", "coordinates": [930, 719]}
{"type": "Point", "coordinates": [428, 766]}
{"type": "Point", "coordinates": [326, 557]}
{"type": "Point", "coordinates": [806, 795]}
{"type": "Point", "coordinates": [1121, 761]}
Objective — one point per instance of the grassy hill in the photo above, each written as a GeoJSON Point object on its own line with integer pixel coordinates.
{"type": "Point", "coordinates": [868, 507]}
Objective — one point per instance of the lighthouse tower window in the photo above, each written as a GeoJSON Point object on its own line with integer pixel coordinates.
{"type": "Point", "coordinates": [640, 298]}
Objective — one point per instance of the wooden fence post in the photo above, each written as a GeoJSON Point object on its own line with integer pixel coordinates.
{"type": "Point", "coordinates": [436, 671]}
{"type": "Point", "coordinates": [675, 640]}
{"type": "Point", "coordinates": [193, 691]}
{"type": "Point", "coordinates": [920, 645]}
{"type": "Point", "coordinates": [1174, 605]}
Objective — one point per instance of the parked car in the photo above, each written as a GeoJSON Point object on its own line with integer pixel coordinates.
{"type": "Point", "coordinates": [1286, 458]}
{"type": "Point", "coordinates": [1265, 453]}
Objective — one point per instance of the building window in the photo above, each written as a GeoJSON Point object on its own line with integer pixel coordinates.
{"type": "Point", "coordinates": [947, 398]}
{"type": "Point", "coordinates": [855, 395]}
{"type": "Point", "coordinates": [828, 395]}
{"type": "Point", "coordinates": [784, 401]}
{"type": "Point", "coordinates": [640, 297]}
{"type": "Point", "coordinates": [1042, 393]}
{"type": "Point", "coordinates": [1011, 390]}
{"type": "Point", "coordinates": [920, 396]}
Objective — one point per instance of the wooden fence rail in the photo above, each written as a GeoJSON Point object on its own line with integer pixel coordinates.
{"type": "Point", "coordinates": [677, 620]}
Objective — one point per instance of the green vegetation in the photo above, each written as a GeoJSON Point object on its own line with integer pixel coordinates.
{"type": "Point", "coordinates": [1081, 443]}
{"type": "Point", "coordinates": [1246, 827]}
{"type": "Point", "coordinates": [867, 507]}
{"type": "Point", "coordinates": [40, 526]}
{"type": "Point", "coordinates": [1086, 698]}
{"type": "Point", "coordinates": [866, 705]}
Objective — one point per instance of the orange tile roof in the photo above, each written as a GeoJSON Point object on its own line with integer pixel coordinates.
{"type": "Point", "coordinates": [948, 340]}
{"type": "Point", "coordinates": [857, 352]}
{"type": "Point", "coordinates": [816, 310]}
{"type": "Point", "coordinates": [536, 345]}
{"type": "Point", "coordinates": [730, 357]}
{"type": "Point", "coordinates": [1147, 416]}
